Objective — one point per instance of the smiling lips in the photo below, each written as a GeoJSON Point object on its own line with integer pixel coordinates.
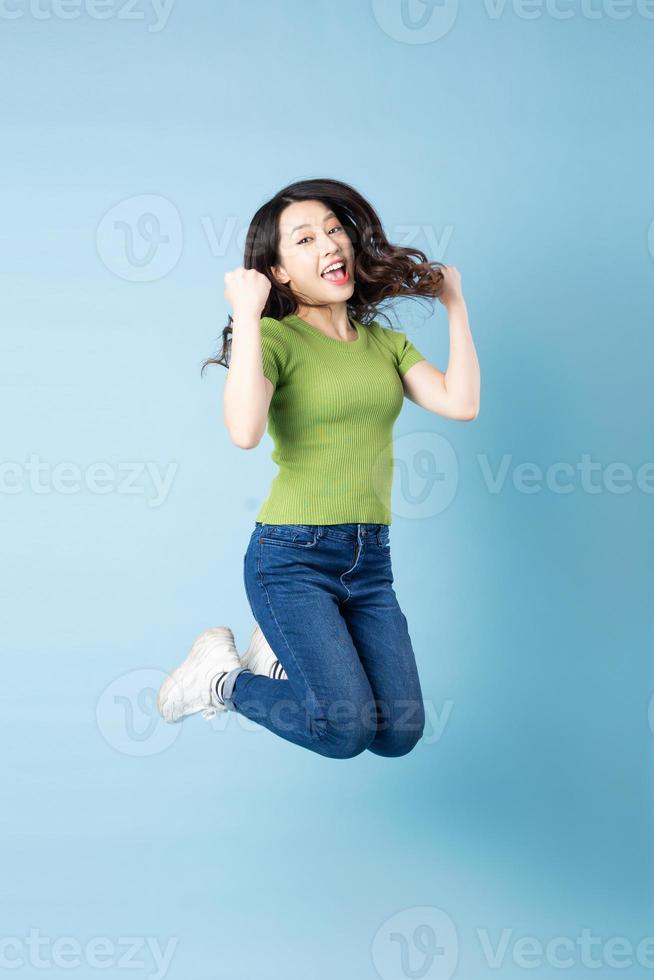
{"type": "Point", "coordinates": [336, 273]}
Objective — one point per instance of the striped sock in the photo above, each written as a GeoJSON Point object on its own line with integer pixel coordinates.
{"type": "Point", "coordinates": [218, 685]}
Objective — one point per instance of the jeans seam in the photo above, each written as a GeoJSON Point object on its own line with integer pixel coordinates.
{"type": "Point", "coordinates": [276, 621]}
{"type": "Point", "coordinates": [348, 570]}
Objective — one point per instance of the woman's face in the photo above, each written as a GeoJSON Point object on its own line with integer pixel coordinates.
{"type": "Point", "coordinates": [311, 238]}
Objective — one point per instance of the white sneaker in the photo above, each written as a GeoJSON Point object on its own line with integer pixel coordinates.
{"type": "Point", "coordinates": [260, 657]}
{"type": "Point", "coordinates": [190, 687]}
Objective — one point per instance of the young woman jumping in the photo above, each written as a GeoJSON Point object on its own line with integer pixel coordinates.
{"type": "Point", "coordinates": [330, 665]}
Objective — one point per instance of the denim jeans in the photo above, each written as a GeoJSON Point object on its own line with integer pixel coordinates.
{"type": "Point", "coordinates": [324, 600]}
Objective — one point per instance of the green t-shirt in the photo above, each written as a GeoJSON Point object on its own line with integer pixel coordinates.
{"type": "Point", "coordinates": [331, 420]}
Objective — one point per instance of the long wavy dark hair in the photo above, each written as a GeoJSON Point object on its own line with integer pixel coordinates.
{"type": "Point", "coordinates": [382, 271]}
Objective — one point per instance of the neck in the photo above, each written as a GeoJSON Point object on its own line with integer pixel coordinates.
{"type": "Point", "coordinates": [332, 320]}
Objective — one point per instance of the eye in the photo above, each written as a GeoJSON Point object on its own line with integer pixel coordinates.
{"type": "Point", "coordinates": [335, 228]}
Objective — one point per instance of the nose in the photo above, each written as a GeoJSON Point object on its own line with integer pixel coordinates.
{"type": "Point", "coordinates": [328, 251]}
{"type": "Point", "coordinates": [326, 242]}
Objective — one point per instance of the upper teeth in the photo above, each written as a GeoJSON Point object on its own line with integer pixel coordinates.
{"type": "Point", "coordinates": [334, 265]}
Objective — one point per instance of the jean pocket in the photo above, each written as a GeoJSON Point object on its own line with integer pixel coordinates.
{"type": "Point", "coordinates": [288, 535]}
{"type": "Point", "coordinates": [383, 538]}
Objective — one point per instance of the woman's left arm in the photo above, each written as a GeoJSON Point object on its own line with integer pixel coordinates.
{"type": "Point", "coordinates": [455, 393]}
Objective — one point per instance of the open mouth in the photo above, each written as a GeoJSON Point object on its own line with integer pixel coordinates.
{"type": "Point", "coordinates": [336, 273]}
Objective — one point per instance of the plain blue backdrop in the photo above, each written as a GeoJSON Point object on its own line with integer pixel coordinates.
{"type": "Point", "coordinates": [512, 140]}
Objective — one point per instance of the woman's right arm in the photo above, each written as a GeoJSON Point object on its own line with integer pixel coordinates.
{"type": "Point", "coordinates": [247, 393]}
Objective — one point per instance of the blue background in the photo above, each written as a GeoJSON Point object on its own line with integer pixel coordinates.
{"type": "Point", "coordinates": [518, 148]}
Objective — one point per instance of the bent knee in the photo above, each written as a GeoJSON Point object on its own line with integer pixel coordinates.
{"type": "Point", "coordinates": [395, 744]}
{"type": "Point", "coordinates": [401, 738]}
{"type": "Point", "coordinates": [343, 741]}
{"type": "Point", "coordinates": [347, 726]}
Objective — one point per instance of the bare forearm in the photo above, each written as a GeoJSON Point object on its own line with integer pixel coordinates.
{"type": "Point", "coordinates": [462, 377]}
{"type": "Point", "coordinates": [245, 400]}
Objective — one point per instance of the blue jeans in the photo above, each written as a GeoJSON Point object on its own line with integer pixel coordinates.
{"type": "Point", "coordinates": [324, 600]}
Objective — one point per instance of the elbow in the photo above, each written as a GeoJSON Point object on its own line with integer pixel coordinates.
{"type": "Point", "coordinates": [240, 436]}
{"type": "Point", "coordinates": [245, 438]}
{"type": "Point", "coordinates": [467, 414]}
{"type": "Point", "coordinates": [243, 442]}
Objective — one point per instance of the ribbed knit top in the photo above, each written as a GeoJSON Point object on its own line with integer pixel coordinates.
{"type": "Point", "coordinates": [331, 420]}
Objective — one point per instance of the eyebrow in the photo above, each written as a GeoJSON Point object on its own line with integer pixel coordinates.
{"type": "Point", "coordinates": [330, 214]}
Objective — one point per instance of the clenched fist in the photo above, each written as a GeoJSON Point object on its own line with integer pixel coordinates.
{"type": "Point", "coordinates": [246, 290]}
